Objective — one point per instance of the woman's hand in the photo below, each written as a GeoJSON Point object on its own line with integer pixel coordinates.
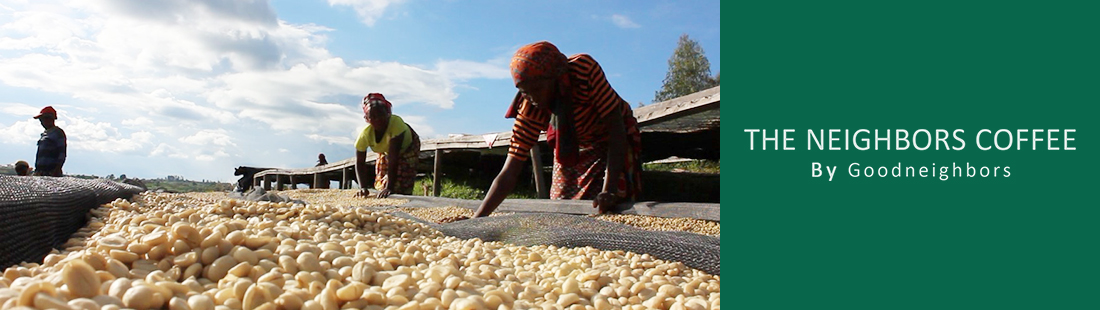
{"type": "Point", "coordinates": [363, 193]}
{"type": "Point", "coordinates": [384, 193]}
{"type": "Point", "coordinates": [605, 202]}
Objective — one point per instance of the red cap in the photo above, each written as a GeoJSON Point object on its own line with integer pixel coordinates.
{"type": "Point", "coordinates": [47, 110]}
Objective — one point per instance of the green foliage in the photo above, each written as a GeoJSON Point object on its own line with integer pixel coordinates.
{"type": "Point", "coordinates": [465, 189]}
{"type": "Point", "coordinates": [696, 166]}
{"type": "Point", "coordinates": [688, 71]}
{"type": "Point", "coordinates": [184, 186]}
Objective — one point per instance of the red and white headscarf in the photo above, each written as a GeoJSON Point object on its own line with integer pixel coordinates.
{"type": "Point", "coordinates": [374, 98]}
{"type": "Point", "coordinates": [539, 60]}
{"type": "Point", "coordinates": [542, 60]}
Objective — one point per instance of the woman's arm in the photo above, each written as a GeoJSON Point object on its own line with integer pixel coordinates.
{"type": "Point", "coordinates": [530, 121]}
{"type": "Point", "coordinates": [616, 153]}
{"type": "Point", "coordinates": [502, 186]}
{"type": "Point", "coordinates": [361, 173]}
{"type": "Point", "coordinates": [393, 156]}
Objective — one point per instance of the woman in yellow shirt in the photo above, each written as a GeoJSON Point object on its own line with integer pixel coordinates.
{"type": "Point", "coordinates": [397, 145]}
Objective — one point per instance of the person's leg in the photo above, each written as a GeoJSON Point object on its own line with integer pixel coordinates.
{"type": "Point", "coordinates": [583, 180]}
{"type": "Point", "coordinates": [380, 168]}
{"type": "Point", "coordinates": [630, 186]}
{"type": "Point", "coordinates": [630, 183]}
{"type": "Point", "coordinates": [406, 173]}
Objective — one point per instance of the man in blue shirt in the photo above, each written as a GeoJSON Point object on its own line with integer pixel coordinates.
{"type": "Point", "coordinates": [52, 145]}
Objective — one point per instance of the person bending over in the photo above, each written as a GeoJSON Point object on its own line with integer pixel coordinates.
{"type": "Point", "coordinates": [397, 145]}
{"type": "Point", "coordinates": [593, 131]}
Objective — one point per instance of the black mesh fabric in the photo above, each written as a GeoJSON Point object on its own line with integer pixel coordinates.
{"type": "Point", "coordinates": [40, 213]}
{"type": "Point", "coordinates": [694, 250]}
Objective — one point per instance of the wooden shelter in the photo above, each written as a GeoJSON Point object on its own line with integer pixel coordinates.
{"type": "Point", "coordinates": [685, 127]}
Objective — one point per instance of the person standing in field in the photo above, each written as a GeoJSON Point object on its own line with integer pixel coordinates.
{"type": "Point", "coordinates": [52, 145]}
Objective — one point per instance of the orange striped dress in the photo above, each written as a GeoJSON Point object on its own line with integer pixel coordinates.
{"type": "Point", "coordinates": [593, 99]}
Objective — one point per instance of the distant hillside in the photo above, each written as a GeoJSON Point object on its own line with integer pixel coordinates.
{"type": "Point", "coordinates": [10, 170]}
{"type": "Point", "coordinates": [172, 183]}
{"type": "Point", "coordinates": [186, 186]}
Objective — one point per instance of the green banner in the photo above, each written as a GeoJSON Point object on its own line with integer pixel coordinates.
{"type": "Point", "coordinates": [911, 155]}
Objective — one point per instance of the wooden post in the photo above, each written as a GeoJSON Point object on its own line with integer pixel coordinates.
{"type": "Point", "coordinates": [267, 182]}
{"type": "Point", "coordinates": [536, 169]}
{"type": "Point", "coordinates": [278, 182]}
{"type": "Point", "coordinates": [436, 175]}
{"type": "Point", "coordinates": [316, 180]}
{"type": "Point", "coordinates": [344, 179]}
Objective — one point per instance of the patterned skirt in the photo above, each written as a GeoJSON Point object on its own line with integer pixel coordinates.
{"type": "Point", "coordinates": [406, 171]}
{"type": "Point", "coordinates": [585, 179]}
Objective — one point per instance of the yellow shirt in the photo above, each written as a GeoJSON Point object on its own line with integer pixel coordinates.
{"type": "Point", "coordinates": [397, 126]}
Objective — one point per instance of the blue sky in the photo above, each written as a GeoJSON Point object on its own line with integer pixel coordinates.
{"type": "Point", "coordinates": [195, 88]}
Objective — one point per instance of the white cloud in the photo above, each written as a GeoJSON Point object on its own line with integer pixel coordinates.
{"type": "Point", "coordinates": [184, 62]}
{"type": "Point", "coordinates": [292, 99]}
{"type": "Point", "coordinates": [211, 157]}
{"type": "Point", "coordinates": [85, 134]}
{"type": "Point", "coordinates": [126, 54]}
{"type": "Point", "coordinates": [49, 29]}
{"type": "Point", "coordinates": [21, 133]}
{"type": "Point", "coordinates": [19, 109]}
{"type": "Point", "coordinates": [168, 151]}
{"type": "Point", "coordinates": [368, 10]}
{"type": "Point", "coordinates": [622, 21]}
{"type": "Point", "coordinates": [202, 79]}
{"type": "Point", "coordinates": [182, 11]}
{"type": "Point", "coordinates": [464, 69]}
{"type": "Point", "coordinates": [284, 151]}
{"type": "Point", "coordinates": [420, 125]}
{"type": "Point", "coordinates": [338, 140]}
{"type": "Point", "coordinates": [81, 134]}
{"type": "Point", "coordinates": [218, 137]}
{"type": "Point", "coordinates": [138, 122]}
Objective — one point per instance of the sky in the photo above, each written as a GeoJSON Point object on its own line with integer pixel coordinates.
{"type": "Point", "coordinates": [195, 88]}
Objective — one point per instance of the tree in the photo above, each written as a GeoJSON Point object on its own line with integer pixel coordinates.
{"type": "Point", "coordinates": [111, 176]}
{"type": "Point", "coordinates": [640, 104]}
{"type": "Point", "coordinates": [688, 71]}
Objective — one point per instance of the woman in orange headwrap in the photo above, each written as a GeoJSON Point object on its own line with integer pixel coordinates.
{"type": "Point", "coordinates": [397, 145]}
{"type": "Point", "coordinates": [593, 131]}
